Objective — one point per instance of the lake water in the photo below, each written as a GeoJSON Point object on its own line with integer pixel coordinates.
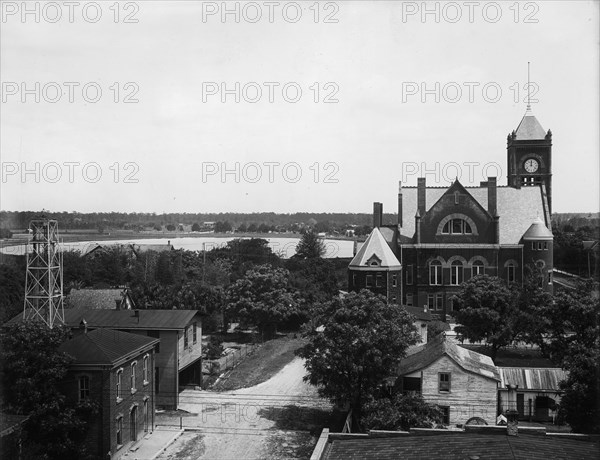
{"type": "Point", "coordinates": [285, 247]}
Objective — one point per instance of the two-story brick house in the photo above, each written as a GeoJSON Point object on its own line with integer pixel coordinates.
{"type": "Point", "coordinates": [114, 370]}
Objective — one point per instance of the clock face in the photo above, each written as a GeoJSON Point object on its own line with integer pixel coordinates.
{"type": "Point", "coordinates": [531, 165]}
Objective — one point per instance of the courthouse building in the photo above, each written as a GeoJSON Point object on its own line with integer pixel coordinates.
{"type": "Point", "coordinates": [446, 235]}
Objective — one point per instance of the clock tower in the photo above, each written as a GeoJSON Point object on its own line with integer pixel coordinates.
{"type": "Point", "coordinates": [529, 156]}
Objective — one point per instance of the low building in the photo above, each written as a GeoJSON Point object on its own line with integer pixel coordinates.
{"type": "Point", "coordinates": [463, 383]}
{"type": "Point", "coordinates": [533, 392]}
{"type": "Point", "coordinates": [114, 370]}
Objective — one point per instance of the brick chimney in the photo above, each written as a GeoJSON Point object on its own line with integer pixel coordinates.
{"type": "Point", "coordinates": [377, 214]}
{"type": "Point", "coordinates": [492, 196]}
{"type": "Point", "coordinates": [418, 227]}
{"type": "Point", "coordinates": [421, 196]}
{"type": "Point", "coordinates": [400, 204]}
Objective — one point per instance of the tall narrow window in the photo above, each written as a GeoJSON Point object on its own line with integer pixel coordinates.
{"type": "Point", "coordinates": [477, 268]}
{"type": "Point", "coordinates": [409, 274]}
{"type": "Point", "coordinates": [456, 273]}
{"type": "Point", "coordinates": [430, 301]}
{"type": "Point", "coordinates": [145, 369]}
{"type": "Point", "coordinates": [444, 381]}
{"type": "Point", "coordinates": [354, 280]}
{"type": "Point", "coordinates": [119, 384]}
{"type": "Point", "coordinates": [378, 280]}
{"type": "Point", "coordinates": [119, 428]}
{"type": "Point", "coordinates": [435, 273]}
{"type": "Point", "coordinates": [394, 280]}
{"type": "Point", "coordinates": [132, 376]}
{"type": "Point", "coordinates": [439, 301]}
{"type": "Point", "coordinates": [409, 300]}
{"type": "Point", "coordinates": [445, 414]}
{"type": "Point", "coordinates": [369, 281]}
{"type": "Point", "coordinates": [510, 272]}
{"type": "Point", "coordinates": [84, 387]}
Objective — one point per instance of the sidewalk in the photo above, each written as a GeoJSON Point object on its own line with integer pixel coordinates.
{"type": "Point", "coordinates": [153, 444]}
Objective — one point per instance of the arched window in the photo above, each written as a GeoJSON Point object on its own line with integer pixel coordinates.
{"type": "Point", "coordinates": [478, 268]}
{"type": "Point", "coordinates": [456, 273]}
{"type": "Point", "coordinates": [435, 273]}
{"type": "Point", "coordinates": [457, 227]}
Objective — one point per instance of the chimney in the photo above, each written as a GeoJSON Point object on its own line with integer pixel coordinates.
{"type": "Point", "coordinates": [400, 204]}
{"type": "Point", "coordinates": [418, 227]}
{"type": "Point", "coordinates": [136, 314]}
{"type": "Point", "coordinates": [492, 196]}
{"type": "Point", "coordinates": [83, 326]}
{"type": "Point", "coordinates": [421, 204]}
{"type": "Point", "coordinates": [512, 415]}
{"type": "Point", "coordinates": [377, 214]}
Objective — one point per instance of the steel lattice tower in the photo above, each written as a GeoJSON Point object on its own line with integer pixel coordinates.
{"type": "Point", "coordinates": [44, 280]}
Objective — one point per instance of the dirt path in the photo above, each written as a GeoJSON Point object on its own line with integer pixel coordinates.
{"type": "Point", "coordinates": [273, 419]}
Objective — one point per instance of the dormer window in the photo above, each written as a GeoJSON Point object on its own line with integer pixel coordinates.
{"type": "Point", "coordinates": [374, 263]}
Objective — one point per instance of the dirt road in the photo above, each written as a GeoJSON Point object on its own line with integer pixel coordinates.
{"type": "Point", "coordinates": [279, 418]}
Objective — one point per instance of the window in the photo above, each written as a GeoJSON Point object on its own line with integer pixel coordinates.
{"type": "Point", "coordinates": [533, 245]}
{"type": "Point", "coordinates": [549, 276]}
{"type": "Point", "coordinates": [378, 280]}
{"type": "Point", "coordinates": [394, 280]}
{"type": "Point", "coordinates": [456, 198]}
{"type": "Point", "coordinates": [119, 384]}
{"type": "Point", "coordinates": [394, 299]}
{"type": "Point", "coordinates": [409, 300]}
{"type": "Point", "coordinates": [195, 332]}
{"type": "Point", "coordinates": [369, 280]}
{"type": "Point", "coordinates": [545, 245]}
{"type": "Point", "coordinates": [457, 227]}
{"type": "Point", "coordinates": [444, 381]}
{"type": "Point", "coordinates": [374, 263]}
{"type": "Point", "coordinates": [132, 376]}
{"type": "Point", "coordinates": [439, 301]}
{"type": "Point", "coordinates": [120, 430]}
{"type": "Point", "coordinates": [435, 273]}
{"type": "Point", "coordinates": [354, 279]}
{"type": "Point", "coordinates": [431, 301]}
{"type": "Point", "coordinates": [84, 387]}
{"type": "Point", "coordinates": [539, 246]}
{"type": "Point", "coordinates": [145, 369]}
{"type": "Point", "coordinates": [510, 272]}
{"type": "Point", "coordinates": [409, 274]}
{"type": "Point", "coordinates": [478, 268]}
{"type": "Point", "coordinates": [456, 273]}
{"type": "Point", "coordinates": [185, 338]}
{"type": "Point", "coordinates": [445, 414]}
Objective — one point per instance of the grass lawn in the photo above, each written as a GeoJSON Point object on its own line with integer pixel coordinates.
{"type": "Point", "coordinates": [261, 365]}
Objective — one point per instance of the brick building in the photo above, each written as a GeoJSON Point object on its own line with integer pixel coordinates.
{"type": "Point", "coordinates": [114, 369]}
{"type": "Point", "coordinates": [446, 235]}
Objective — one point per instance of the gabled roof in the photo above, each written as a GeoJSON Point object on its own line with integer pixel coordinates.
{"type": "Point", "coordinates": [106, 346]}
{"type": "Point", "coordinates": [125, 319]}
{"type": "Point", "coordinates": [530, 128]}
{"type": "Point", "coordinates": [517, 208]}
{"type": "Point", "coordinates": [538, 379]}
{"type": "Point", "coordinates": [419, 313]}
{"type": "Point", "coordinates": [440, 346]}
{"type": "Point", "coordinates": [375, 246]}
{"type": "Point", "coordinates": [538, 231]}
{"type": "Point", "coordinates": [95, 299]}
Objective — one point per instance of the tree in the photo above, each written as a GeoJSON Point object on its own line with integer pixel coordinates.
{"type": "Point", "coordinates": [195, 227]}
{"type": "Point", "coordinates": [485, 309]}
{"type": "Point", "coordinates": [400, 412]}
{"type": "Point", "coordinates": [572, 341]}
{"type": "Point", "coordinates": [353, 344]}
{"type": "Point", "coordinates": [12, 291]}
{"type": "Point", "coordinates": [263, 297]}
{"type": "Point", "coordinates": [310, 246]}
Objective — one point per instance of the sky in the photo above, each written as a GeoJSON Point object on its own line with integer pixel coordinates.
{"type": "Point", "coordinates": [190, 106]}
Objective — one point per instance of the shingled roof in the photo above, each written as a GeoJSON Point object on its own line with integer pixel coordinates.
{"type": "Point", "coordinates": [459, 446]}
{"type": "Point", "coordinates": [517, 208]}
{"type": "Point", "coordinates": [538, 231]}
{"type": "Point", "coordinates": [106, 346]}
{"type": "Point", "coordinates": [375, 247]}
{"type": "Point", "coordinates": [469, 360]}
{"type": "Point", "coordinates": [530, 129]}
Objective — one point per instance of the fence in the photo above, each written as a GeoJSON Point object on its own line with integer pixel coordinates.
{"type": "Point", "coordinates": [230, 360]}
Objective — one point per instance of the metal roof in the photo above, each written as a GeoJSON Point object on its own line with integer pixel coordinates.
{"type": "Point", "coordinates": [530, 128]}
{"type": "Point", "coordinates": [539, 379]}
{"type": "Point", "coordinates": [441, 345]}
{"type": "Point", "coordinates": [538, 231]}
{"type": "Point", "coordinates": [375, 247]}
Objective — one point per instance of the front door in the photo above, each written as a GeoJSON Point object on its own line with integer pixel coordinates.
{"type": "Point", "coordinates": [133, 423]}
